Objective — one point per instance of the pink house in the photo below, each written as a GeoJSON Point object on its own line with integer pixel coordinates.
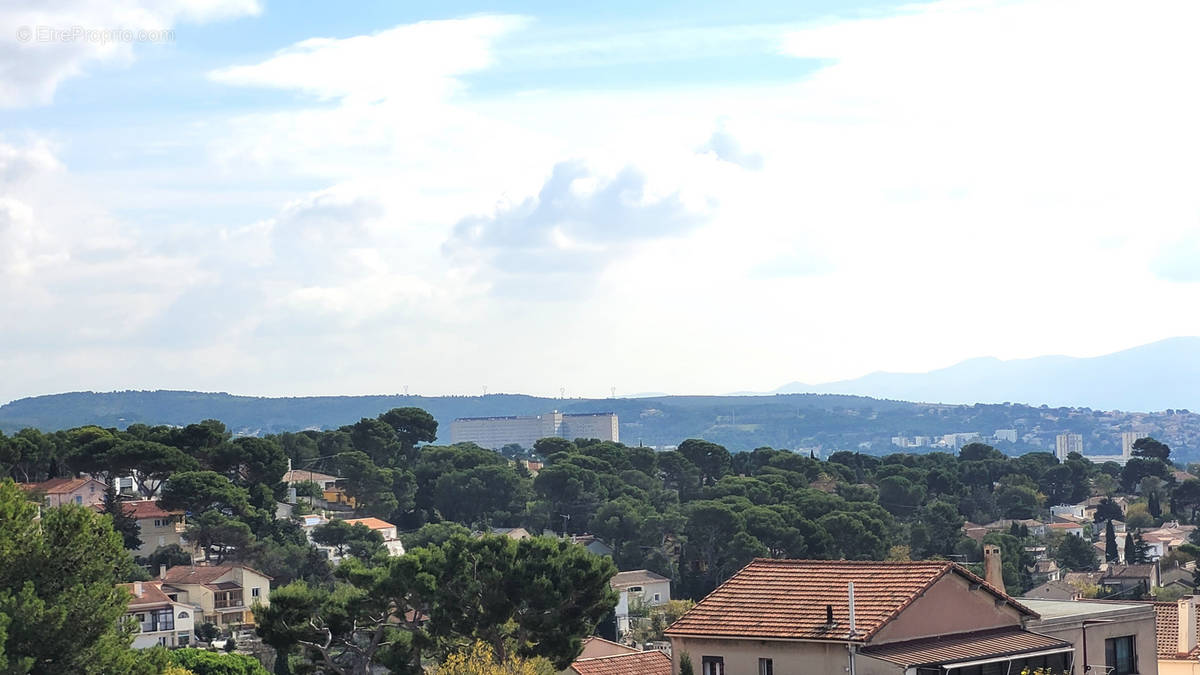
{"type": "Point", "coordinates": [59, 491]}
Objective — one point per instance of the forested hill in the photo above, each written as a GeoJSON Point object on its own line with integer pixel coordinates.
{"type": "Point", "coordinates": [821, 421]}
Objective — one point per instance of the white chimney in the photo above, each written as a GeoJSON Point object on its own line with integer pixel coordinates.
{"type": "Point", "coordinates": [1187, 624]}
{"type": "Point", "coordinates": [853, 626]}
{"type": "Point", "coordinates": [137, 589]}
{"type": "Point", "coordinates": [162, 571]}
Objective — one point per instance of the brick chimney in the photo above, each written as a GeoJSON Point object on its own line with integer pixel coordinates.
{"type": "Point", "coordinates": [1187, 624]}
{"type": "Point", "coordinates": [993, 570]}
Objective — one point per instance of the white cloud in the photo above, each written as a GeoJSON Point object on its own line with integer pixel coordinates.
{"type": "Point", "coordinates": [958, 179]}
{"type": "Point", "coordinates": [45, 43]}
{"type": "Point", "coordinates": [418, 61]}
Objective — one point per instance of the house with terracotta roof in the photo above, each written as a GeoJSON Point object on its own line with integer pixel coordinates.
{"type": "Point", "coordinates": [868, 618]}
{"type": "Point", "coordinates": [391, 540]}
{"type": "Point", "coordinates": [631, 663]}
{"type": "Point", "coordinates": [59, 491]}
{"type": "Point", "coordinates": [222, 593]}
{"type": "Point", "coordinates": [161, 620]}
{"type": "Point", "coordinates": [1178, 637]}
{"type": "Point", "coordinates": [158, 527]}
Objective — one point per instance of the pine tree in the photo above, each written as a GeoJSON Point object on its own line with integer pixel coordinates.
{"type": "Point", "coordinates": [1142, 548]}
{"type": "Point", "coordinates": [1110, 543]}
{"type": "Point", "coordinates": [123, 523]}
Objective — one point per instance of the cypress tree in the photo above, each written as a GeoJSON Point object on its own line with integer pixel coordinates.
{"type": "Point", "coordinates": [1154, 506]}
{"type": "Point", "coordinates": [1110, 543]}
{"type": "Point", "coordinates": [123, 523]}
{"type": "Point", "coordinates": [1130, 549]}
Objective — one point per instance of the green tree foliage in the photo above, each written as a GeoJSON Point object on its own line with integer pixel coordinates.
{"type": "Point", "coordinates": [122, 522]}
{"type": "Point", "coordinates": [1107, 509]}
{"type": "Point", "coordinates": [712, 459]}
{"type": "Point", "coordinates": [536, 597]}
{"type": "Point", "coordinates": [357, 540]}
{"type": "Point", "coordinates": [1150, 448]}
{"type": "Point", "coordinates": [1075, 554]}
{"type": "Point", "coordinates": [199, 491]}
{"type": "Point", "coordinates": [220, 536]}
{"type": "Point", "coordinates": [203, 662]}
{"type": "Point", "coordinates": [60, 606]}
{"type": "Point", "coordinates": [685, 664]}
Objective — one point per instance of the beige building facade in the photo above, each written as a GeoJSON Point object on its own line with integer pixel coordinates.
{"type": "Point", "coordinates": [224, 594]}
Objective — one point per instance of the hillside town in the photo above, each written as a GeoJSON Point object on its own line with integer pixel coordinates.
{"type": "Point", "coordinates": [940, 562]}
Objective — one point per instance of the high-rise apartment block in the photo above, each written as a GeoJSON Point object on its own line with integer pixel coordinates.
{"type": "Point", "coordinates": [1128, 438]}
{"type": "Point", "coordinates": [1065, 444]}
{"type": "Point", "coordinates": [497, 432]}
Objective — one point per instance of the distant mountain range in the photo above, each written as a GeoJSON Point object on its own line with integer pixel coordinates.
{"type": "Point", "coordinates": [1158, 376]}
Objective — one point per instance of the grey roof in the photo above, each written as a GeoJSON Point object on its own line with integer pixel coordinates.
{"type": "Point", "coordinates": [636, 578]}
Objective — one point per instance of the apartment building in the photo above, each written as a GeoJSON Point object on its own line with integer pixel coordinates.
{"type": "Point", "coordinates": [497, 432]}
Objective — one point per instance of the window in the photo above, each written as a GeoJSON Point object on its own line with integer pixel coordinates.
{"type": "Point", "coordinates": [712, 665]}
{"type": "Point", "coordinates": [1119, 655]}
{"type": "Point", "coordinates": [634, 589]}
{"type": "Point", "coordinates": [162, 541]}
{"type": "Point", "coordinates": [78, 499]}
{"type": "Point", "coordinates": [766, 667]}
{"type": "Point", "coordinates": [183, 615]}
{"type": "Point", "coordinates": [183, 639]}
{"type": "Point", "coordinates": [657, 597]}
{"type": "Point", "coordinates": [162, 641]}
{"type": "Point", "coordinates": [254, 592]}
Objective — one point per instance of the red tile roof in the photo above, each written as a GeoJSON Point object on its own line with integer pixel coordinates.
{"type": "Point", "coordinates": [961, 647]}
{"type": "Point", "coordinates": [1166, 630]}
{"type": "Point", "coordinates": [151, 595]}
{"type": "Point", "coordinates": [144, 509]}
{"type": "Point", "coordinates": [373, 523]}
{"type": "Point", "coordinates": [787, 599]}
{"type": "Point", "coordinates": [639, 663]}
{"type": "Point", "coordinates": [201, 574]}
{"type": "Point", "coordinates": [57, 486]}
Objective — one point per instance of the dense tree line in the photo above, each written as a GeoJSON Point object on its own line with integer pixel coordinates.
{"type": "Point", "coordinates": [696, 514]}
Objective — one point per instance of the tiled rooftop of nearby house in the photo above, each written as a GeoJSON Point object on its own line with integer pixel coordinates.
{"type": "Point", "coordinates": [787, 598]}
{"type": "Point", "coordinates": [636, 578]}
{"type": "Point", "coordinates": [373, 523]}
{"type": "Point", "coordinates": [306, 476]}
{"type": "Point", "coordinates": [1166, 629]}
{"type": "Point", "coordinates": [151, 594]}
{"type": "Point", "coordinates": [145, 508]}
{"type": "Point", "coordinates": [55, 486]}
{"type": "Point", "coordinates": [639, 663]}
{"type": "Point", "coordinates": [201, 574]}
{"type": "Point", "coordinates": [965, 647]}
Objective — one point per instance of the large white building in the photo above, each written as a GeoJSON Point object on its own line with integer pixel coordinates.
{"type": "Point", "coordinates": [1065, 444]}
{"type": "Point", "coordinates": [497, 432]}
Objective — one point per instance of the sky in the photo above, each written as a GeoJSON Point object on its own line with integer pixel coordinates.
{"type": "Point", "coordinates": [309, 198]}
